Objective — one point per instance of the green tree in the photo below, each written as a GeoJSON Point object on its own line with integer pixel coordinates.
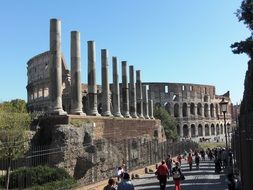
{"type": "Point", "coordinates": [16, 105]}
{"type": "Point", "coordinates": [245, 14]}
{"type": "Point", "coordinates": [168, 122]}
{"type": "Point", "coordinates": [13, 134]}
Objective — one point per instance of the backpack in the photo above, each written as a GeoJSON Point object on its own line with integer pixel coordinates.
{"type": "Point", "coordinates": [176, 174]}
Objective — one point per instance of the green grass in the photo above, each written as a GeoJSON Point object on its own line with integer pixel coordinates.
{"type": "Point", "coordinates": [211, 145]}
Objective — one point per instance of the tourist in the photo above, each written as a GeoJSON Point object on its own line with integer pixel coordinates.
{"type": "Point", "coordinates": [177, 176]}
{"type": "Point", "coordinates": [125, 183]}
{"type": "Point", "coordinates": [120, 172]}
{"type": "Point", "coordinates": [162, 173]}
{"type": "Point", "coordinates": [111, 185]}
{"type": "Point", "coordinates": [179, 159]}
{"type": "Point", "coordinates": [189, 158]}
{"type": "Point", "coordinates": [197, 160]}
{"type": "Point", "coordinates": [203, 154]}
{"type": "Point", "coordinates": [169, 163]}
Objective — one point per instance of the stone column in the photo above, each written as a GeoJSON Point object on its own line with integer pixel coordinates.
{"type": "Point", "coordinates": [105, 84]}
{"type": "Point", "coordinates": [115, 93]}
{"type": "Point", "coordinates": [55, 68]}
{"type": "Point", "coordinates": [151, 109]}
{"type": "Point", "coordinates": [196, 130]}
{"type": "Point", "coordinates": [189, 131]}
{"type": "Point", "coordinates": [145, 102]}
{"type": "Point", "coordinates": [92, 86]}
{"type": "Point", "coordinates": [132, 92]}
{"type": "Point", "coordinates": [202, 110]}
{"type": "Point", "coordinates": [76, 93]}
{"type": "Point", "coordinates": [139, 94]}
{"type": "Point", "coordinates": [125, 95]}
{"type": "Point", "coordinates": [188, 110]}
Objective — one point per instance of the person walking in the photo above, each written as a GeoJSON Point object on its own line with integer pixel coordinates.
{"type": "Point", "coordinates": [111, 185]}
{"type": "Point", "coordinates": [125, 183]}
{"type": "Point", "coordinates": [162, 173]}
{"type": "Point", "coordinates": [179, 159]}
{"type": "Point", "coordinates": [189, 158]}
{"type": "Point", "coordinates": [169, 163]}
{"type": "Point", "coordinates": [177, 176]}
{"type": "Point", "coordinates": [197, 160]}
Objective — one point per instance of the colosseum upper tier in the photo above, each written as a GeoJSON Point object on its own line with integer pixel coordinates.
{"type": "Point", "coordinates": [195, 107]}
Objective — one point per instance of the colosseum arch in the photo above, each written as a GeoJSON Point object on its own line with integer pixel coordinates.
{"type": "Point", "coordinates": [207, 130]}
{"type": "Point", "coordinates": [192, 109]}
{"type": "Point", "coordinates": [199, 109]}
{"type": "Point", "coordinates": [221, 129]}
{"type": "Point", "coordinates": [193, 132]}
{"type": "Point", "coordinates": [212, 110]}
{"type": "Point", "coordinates": [206, 110]}
{"type": "Point", "coordinates": [205, 98]}
{"type": "Point", "coordinates": [185, 131]}
{"type": "Point", "coordinates": [212, 129]}
{"type": "Point", "coordinates": [176, 110]}
{"type": "Point", "coordinates": [184, 110]}
{"type": "Point", "coordinates": [178, 130]}
{"type": "Point", "coordinates": [168, 107]}
{"type": "Point", "coordinates": [200, 130]}
{"type": "Point", "coordinates": [217, 129]}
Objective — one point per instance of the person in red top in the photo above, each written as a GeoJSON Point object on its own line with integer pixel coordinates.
{"type": "Point", "coordinates": [162, 172]}
{"type": "Point", "coordinates": [190, 160]}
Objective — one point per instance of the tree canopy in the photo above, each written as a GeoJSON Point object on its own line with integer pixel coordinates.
{"type": "Point", "coordinates": [245, 14]}
{"type": "Point", "coordinates": [16, 105]}
{"type": "Point", "coordinates": [168, 122]}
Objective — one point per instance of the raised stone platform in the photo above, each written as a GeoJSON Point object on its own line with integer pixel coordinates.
{"type": "Point", "coordinates": [92, 147]}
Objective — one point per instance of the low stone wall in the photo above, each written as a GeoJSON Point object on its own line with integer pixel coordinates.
{"type": "Point", "coordinates": [92, 147]}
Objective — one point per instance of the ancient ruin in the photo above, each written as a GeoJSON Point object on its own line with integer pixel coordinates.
{"type": "Point", "coordinates": [195, 107]}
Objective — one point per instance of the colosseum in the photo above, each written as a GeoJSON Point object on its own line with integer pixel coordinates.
{"type": "Point", "coordinates": [195, 107]}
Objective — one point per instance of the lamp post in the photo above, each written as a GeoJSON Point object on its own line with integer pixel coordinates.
{"type": "Point", "coordinates": [223, 107]}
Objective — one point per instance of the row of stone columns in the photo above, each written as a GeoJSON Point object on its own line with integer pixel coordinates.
{"type": "Point", "coordinates": [134, 97]}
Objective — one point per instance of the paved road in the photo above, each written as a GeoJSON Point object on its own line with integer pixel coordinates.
{"type": "Point", "coordinates": [202, 179]}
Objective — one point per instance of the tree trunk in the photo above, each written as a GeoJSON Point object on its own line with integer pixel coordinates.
{"type": "Point", "coordinates": [8, 174]}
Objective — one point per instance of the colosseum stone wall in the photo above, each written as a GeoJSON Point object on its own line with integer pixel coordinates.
{"type": "Point", "coordinates": [38, 83]}
{"type": "Point", "coordinates": [195, 107]}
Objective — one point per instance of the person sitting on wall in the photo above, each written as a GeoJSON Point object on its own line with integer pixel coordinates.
{"type": "Point", "coordinates": [120, 172]}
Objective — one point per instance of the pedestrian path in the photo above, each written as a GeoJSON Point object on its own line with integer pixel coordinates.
{"type": "Point", "coordinates": [203, 179]}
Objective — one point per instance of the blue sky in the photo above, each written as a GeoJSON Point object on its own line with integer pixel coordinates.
{"type": "Point", "coordinates": [169, 40]}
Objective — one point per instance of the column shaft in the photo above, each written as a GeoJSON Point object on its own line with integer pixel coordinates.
{"type": "Point", "coordinates": [55, 68]}
{"type": "Point", "coordinates": [92, 86]}
{"type": "Point", "coordinates": [132, 92]}
{"type": "Point", "coordinates": [151, 109]}
{"type": "Point", "coordinates": [116, 94]}
{"type": "Point", "coordinates": [106, 111]}
{"type": "Point", "coordinates": [125, 95]}
{"type": "Point", "coordinates": [145, 102]}
{"type": "Point", "coordinates": [76, 93]}
{"type": "Point", "coordinates": [139, 94]}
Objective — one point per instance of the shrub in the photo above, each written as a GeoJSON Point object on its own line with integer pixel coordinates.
{"type": "Point", "coordinates": [60, 185]}
{"type": "Point", "coordinates": [34, 176]}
